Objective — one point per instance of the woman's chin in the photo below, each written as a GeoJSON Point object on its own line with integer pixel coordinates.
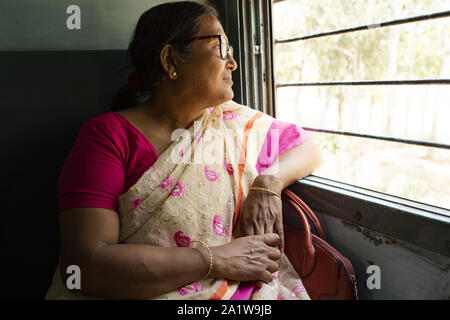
{"type": "Point", "coordinates": [221, 97]}
{"type": "Point", "coordinates": [230, 94]}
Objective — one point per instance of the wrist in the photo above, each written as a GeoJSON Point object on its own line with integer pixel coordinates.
{"type": "Point", "coordinates": [270, 182]}
{"type": "Point", "coordinates": [206, 253]}
{"type": "Point", "coordinates": [215, 270]}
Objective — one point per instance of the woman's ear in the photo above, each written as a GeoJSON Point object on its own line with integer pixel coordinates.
{"type": "Point", "coordinates": [168, 57]}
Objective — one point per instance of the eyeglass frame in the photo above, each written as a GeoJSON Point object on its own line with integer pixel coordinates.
{"type": "Point", "coordinates": [228, 49]}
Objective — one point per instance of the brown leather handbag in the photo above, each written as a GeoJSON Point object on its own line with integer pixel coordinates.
{"type": "Point", "coordinates": [326, 274]}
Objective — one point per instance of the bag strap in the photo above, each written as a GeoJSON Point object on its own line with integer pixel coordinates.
{"type": "Point", "coordinates": [288, 193]}
{"type": "Point", "coordinates": [309, 258]}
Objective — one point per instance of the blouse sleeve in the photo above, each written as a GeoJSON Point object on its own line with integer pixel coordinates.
{"type": "Point", "coordinates": [93, 174]}
{"type": "Point", "coordinates": [282, 136]}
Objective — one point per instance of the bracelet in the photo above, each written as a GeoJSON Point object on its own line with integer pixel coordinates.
{"type": "Point", "coordinates": [210, 257]}
{"type": "Point", "coordinates": [266, 190]}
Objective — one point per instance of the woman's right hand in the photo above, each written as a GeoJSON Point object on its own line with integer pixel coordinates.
{"type": "Point", "coordinates": [248, 258]}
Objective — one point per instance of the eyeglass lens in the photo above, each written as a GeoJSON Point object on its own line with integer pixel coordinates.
{"type": "Point", "coordinates": [225, 49]}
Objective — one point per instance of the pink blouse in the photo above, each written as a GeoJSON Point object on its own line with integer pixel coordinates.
{"type": "Point", "coordinates": [110, 155]}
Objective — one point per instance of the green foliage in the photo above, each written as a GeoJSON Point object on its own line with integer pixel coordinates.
{"type": "Point", "coordinates": [327, 142]}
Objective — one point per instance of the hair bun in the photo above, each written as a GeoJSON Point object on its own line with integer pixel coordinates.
{"type": "Point", "coordinates": [133, 82]}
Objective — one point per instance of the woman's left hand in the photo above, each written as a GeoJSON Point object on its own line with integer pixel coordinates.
{"type": "Point", "coordinates": [262, 211]}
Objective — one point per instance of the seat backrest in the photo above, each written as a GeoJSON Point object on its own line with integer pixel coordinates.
{"type": "Point", "coordinates": [45, 98]}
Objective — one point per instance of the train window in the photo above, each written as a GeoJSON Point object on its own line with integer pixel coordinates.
{"type": "Point", "coordinates": [369, 81]}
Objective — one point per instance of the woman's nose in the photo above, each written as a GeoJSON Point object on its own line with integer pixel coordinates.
{"type": "Point", "coordinates": [231, 63]}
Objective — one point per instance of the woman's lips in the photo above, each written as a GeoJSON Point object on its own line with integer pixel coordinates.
{"type": "Point", "coordinates": [228, 80]}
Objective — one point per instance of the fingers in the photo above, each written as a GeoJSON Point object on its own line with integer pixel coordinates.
{"type": "Point", "coordinates": [258, 229]}
{"type": "Point", "coordinates": [273, 253]}
{"type": "Point", "coordinates": [260, 213]}
{"type": "Point", "coordinates": [268, 247]}
{"type": "Point", "coordinates": [258, 285]}
{"type": "Point", "coordinates": [268, 227]}
{"type": "Point", "coordinates": [281, 246]}
{"type": "Point", "coordinates": [248, 230]}
{"type": "Point", "coordinates": [258, 257]}
{"type": "Point", "coordinates": [280, 231]}
{"type": "Point", "coordinates": [272, 267]}
{"type": "Point", "coordinates": [271, 239]}
{"type": "Point", "coordinates": [267, 276]}
{"type": "Point", "coordinates": [271, 245]}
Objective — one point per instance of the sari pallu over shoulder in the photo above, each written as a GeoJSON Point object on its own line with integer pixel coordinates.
{"type": "Point", "coordinates": [195, 191]}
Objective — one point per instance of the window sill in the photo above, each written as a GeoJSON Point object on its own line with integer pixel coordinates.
{"type": "Point", "coordinates": [420, 224]}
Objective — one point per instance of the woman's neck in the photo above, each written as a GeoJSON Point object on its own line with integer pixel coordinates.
{"type": "Point", "coordinates": [173, 112]}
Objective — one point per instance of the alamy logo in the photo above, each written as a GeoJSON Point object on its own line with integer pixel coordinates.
{"type": "Point", "coordinates": [209, 146]}
{"type": "Point", "coordinates": [74, 20]}
{"type": "Point", "coordinates": [374, 280]}
{"type": "Point", "coordinates": [74, 280]}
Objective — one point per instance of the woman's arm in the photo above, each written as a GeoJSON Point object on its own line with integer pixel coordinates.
{"type": "Point", "coordinates": [262, 212]}
{"type": "Point", "coordinates": [89, 239]}
{"type": "Point", "coordinates": [291, 166]}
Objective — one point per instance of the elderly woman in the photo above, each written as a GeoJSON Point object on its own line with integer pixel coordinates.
{"type": "Point", "coordinates": [178, 197]}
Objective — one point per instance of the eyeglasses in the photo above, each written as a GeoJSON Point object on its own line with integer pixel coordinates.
{"type": "Point", "coordinates": [225, 48]}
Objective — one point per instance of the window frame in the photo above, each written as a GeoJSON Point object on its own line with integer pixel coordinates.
{"type": "Point", "coordinates": [421, 224]}
{"type": "Point", "coordinates": [363, 28]}
{"type": "Point", "coordinates": [401, 218]}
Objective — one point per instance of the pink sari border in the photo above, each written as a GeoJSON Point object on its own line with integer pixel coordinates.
{"type": "Point", "coordinates": [244, 291]}
{"type": "Point", "coordinates": [290, 136]}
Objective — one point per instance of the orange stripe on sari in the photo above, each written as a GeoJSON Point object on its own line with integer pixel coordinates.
{"type": "Point", "coordinates": [241, 165]}
{"type": "Point", "coordinates": [221, 291]}
{"type": "Point", "coordinates": [218, 295]}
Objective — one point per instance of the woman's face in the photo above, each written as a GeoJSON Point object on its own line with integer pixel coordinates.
{"type": "Point", "coordinates": [205, 75]}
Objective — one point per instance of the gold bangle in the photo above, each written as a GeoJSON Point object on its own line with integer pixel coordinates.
{"type": "Point", "coordinates": [266, 190]}
{"type": "Point", "coordinates": [210, 257]}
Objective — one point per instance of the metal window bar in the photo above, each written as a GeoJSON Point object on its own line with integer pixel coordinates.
{"type": "Point", "coordinates": [436, 15]}
{"type": "Point", "coordinates": [424, 17]}
{"type": "Point", "coordinates": [365, 83]}
{"type": "Point", "coordinates": [385, 138]}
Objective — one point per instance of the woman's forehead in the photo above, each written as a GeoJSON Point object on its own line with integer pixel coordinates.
{"type": "Point", "coordinates": [210, 25]}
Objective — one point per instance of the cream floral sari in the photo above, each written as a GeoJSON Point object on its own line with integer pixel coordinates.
{"type": "Point", "coordinates": [195, 191]}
